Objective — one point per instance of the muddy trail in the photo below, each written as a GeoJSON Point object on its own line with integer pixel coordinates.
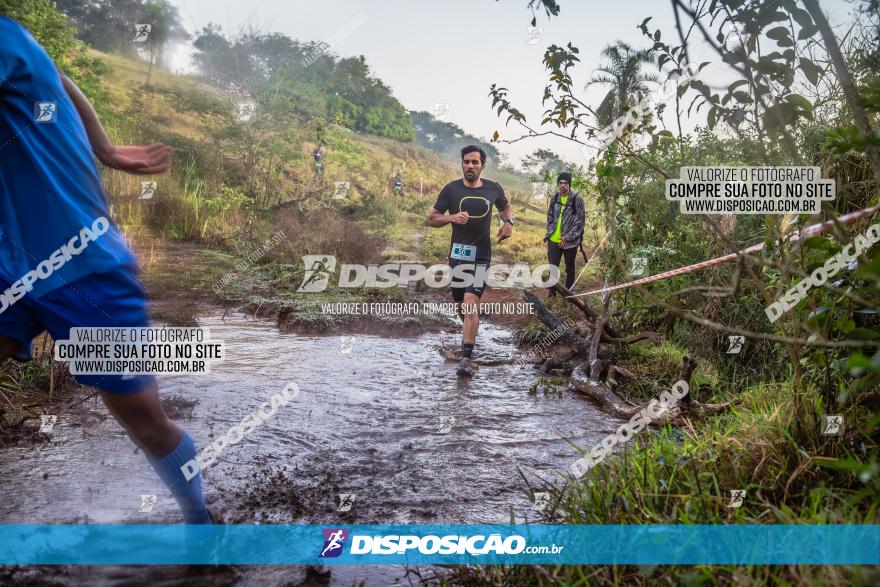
{"type": "Point", "coordinates": [383, 419]}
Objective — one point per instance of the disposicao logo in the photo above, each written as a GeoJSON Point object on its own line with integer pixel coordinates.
{"type": "Point", "coordinates": [319, 268]}
{"type": "Point", "coordinates": [432, 544]}
{"type": "Point", "coordinates": [318, 271]}
{"type": "Point", "coordinates": [449, 544]}
{"type": "Point", "coordinates": [333, 542]}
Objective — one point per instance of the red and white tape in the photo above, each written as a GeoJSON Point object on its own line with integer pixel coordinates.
{"type": "Point", "coordinates": [809, 231]}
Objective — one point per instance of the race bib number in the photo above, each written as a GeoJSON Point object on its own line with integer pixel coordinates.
{"type": "Point", "coordinates": [463, 252]}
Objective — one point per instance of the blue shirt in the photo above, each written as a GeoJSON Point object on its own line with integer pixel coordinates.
{"type": "Point", "coordinates": [50, 188]}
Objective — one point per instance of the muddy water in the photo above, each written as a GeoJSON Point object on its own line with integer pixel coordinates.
{"type": "Point", "coordinates": [384, 419]}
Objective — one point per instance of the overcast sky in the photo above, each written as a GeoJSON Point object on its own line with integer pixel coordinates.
{"type": "Point", "coordinates": [451, 52]}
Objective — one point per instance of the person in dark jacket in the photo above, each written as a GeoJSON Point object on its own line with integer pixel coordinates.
{"type": "Point", "coordinates": [565, 226]}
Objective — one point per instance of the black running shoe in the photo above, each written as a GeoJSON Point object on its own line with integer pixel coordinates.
{"type": "Point", "coordinates": [464, 368]}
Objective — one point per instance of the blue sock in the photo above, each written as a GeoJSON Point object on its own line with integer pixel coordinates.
{"type": "Point", "coordinates": [188, 494]}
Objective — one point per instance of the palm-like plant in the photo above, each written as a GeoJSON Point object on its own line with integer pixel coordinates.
{"type": "Point", "coordinates": [623, 72]}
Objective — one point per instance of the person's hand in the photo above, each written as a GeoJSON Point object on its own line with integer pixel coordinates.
{"type": "Point", "coordinates": [505, 232]}
{"type": "Point", "coordinates": [562, 243]}
{"type": "Point", "coordinates": [460, 218]}
{"type": "Point", "coordinates": [137, 159]}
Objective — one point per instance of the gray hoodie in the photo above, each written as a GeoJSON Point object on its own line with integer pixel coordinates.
{"type": "Point", "coordinates": [572, 219]}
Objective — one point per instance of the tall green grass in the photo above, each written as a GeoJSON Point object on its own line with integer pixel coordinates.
{"type": "Point", "coordinates": [185, 207]}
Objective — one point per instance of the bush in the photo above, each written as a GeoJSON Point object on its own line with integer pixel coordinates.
{"type": "Point", "coordinates": [326, 233]}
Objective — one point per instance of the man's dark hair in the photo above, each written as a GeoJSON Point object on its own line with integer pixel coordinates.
{"type": "Point", "coordinates": [472, 149]}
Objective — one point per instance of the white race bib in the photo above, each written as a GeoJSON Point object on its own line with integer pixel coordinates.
{"type": "Point", "coordinates": [463, 252]}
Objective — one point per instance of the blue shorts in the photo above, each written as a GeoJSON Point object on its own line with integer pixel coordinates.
{"type": "Point", "coordinates": [112, 298]}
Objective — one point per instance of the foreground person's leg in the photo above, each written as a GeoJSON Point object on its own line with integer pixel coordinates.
{"type": "Point", "coordinates": [167, 447]}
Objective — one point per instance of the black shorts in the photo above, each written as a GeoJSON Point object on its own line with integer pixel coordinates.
{"type": "Point", "coordinates": [476, 288]}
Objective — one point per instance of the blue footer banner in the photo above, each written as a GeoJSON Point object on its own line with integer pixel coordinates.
{"type": "Point", "coordinates": [98, 544]}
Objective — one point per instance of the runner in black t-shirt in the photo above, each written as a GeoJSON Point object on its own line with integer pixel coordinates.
{"type": "Point", "coordinates": [469, 202]}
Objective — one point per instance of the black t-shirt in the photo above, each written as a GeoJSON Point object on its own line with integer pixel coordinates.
{"type": "Point", "coordinates": [471, 241]}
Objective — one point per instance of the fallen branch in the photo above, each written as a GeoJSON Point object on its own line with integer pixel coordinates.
{"type": "Point", "coordinates": [551, 321]}
{"type": "Point", "coordinates": [557, 359]}
{"type": "Point", "coordinates": [599, 392]}
{"type": "Point", "coordinates": [622, 371]}
{"type": "Point", "coordinates": [631, 339]}
{"type": "Point", "coordinates": [612, 404]}
{"type": "Point", "coordinates": [599, 367]}
{"type": "Point", "coordinates": [583, 307]}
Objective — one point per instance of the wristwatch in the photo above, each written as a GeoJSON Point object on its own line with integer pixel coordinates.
{"type": "Point", "coordinates": [510, 220]}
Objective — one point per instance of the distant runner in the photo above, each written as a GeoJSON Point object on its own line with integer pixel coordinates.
{"type": "Point", "coordinates": [469, 201]}
{"type": "Point", "coordinates": [318, 156]}
{"type": "Point", "coordinates": [50, 191]}
{"type": "Point", "coordinates": [398, 183]}
{"type": "Point", "coordinates": [565, 227]}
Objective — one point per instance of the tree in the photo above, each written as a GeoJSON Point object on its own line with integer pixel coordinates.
{"type": "Point", "coordinates": [166, 30]}
{"type": "Point", "coordinates": [775, 51]}
{"type": "Point", "coordinates": [543, 162]}
{"type": "Point", "coordinates": [211, 55]}
{"type": "Point", "coordinates": [446, 138]}
{"type": "Point", "coordinates": [109, 25]}
{"type": "Point", "coordinates": [623, 73]}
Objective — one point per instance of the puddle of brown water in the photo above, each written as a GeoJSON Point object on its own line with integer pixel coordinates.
{"type": "Point", "coordinates": [384, 419]}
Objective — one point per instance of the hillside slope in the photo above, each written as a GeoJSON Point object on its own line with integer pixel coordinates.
{"type": "Point", "coordinates": [231, 178]}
